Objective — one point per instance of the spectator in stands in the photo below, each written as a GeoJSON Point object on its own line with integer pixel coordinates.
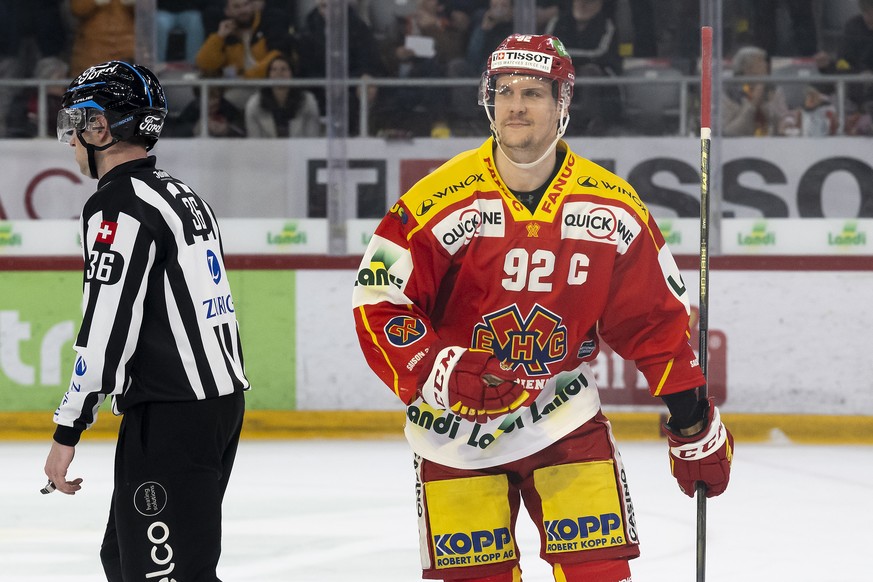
{"type": "Point", "coordinates": [182, 15]}
{"type": "Point", "coordinates": [547, 13]}
{"type": "Point", "coordinates": [282, 111]}
{"type": "Point", "coordinates": [279, 19]}
{"type": "Point", "coordinates": [9, 64]}
{"type": "Point", "coordinates": [855, 56]}
{"type": "Point", "coordinates": [104, 31]}
{"type": "Point", "coordinates": [643, 19]}
{"type": "Point", "coordinates": [23, 117]}
{"type": "Point", "coordinates": [643, 42]}
{"type": "Point", "coordinates": [767, 33]}
{"type": "Point", "coordinates": [462, 12]}
{"type": "Point", "coordinates": [426, 44]}
{"type": "Point", "coordinates": [818, 116]}
{"type": "Point", "coordinates": [29, 32]}
{"type": "Point", "coordinates": [490, 26]}
{"type": "Point", "coordinates": [365, 9]}
{"type": "Point", "coordinates": [364, 59]}
{"type": "Point", "coordinates": [447, 32]}
{"type": "Point", "coordinates": [240, 47]}
{"type": "Point", "coordinates": [42, 24]}
{"type": "Point", "coordinates": [678, 29]}
{"type": "Point", "coordinates": [223, 118]}
{"type": "Point", "coordinates": [8, 38]}
{"type": "Point", "coordinates": [277, 16]}
{"type": "Point", "coordinates": [590, 37]}
{"type": "Point", "coordinates": [755, 109]}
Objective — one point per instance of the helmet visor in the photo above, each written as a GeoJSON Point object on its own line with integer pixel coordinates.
{"type": "Point", "coordinates": [503, 85]}
{"type": "Point", "coordinates": [74, 119]}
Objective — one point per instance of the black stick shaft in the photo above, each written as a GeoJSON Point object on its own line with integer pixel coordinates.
{"type": "Point", "coordinates": [703, 318]}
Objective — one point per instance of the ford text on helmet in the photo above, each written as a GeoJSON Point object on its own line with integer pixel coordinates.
{"type": "Point", "coordinates": [129, 96]}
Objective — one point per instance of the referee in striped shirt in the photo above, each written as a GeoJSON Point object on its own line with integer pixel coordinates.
{"type": "Point", "coordinates": [159, 335]}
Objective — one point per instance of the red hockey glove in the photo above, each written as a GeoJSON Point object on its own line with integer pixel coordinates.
{"type": "Point", "coordinates": [705, 456]}
{"type": "Point", "coordinates": [472, 384]}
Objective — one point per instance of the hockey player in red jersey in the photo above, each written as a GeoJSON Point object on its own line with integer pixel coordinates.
{"type": "Point", "coordinates": [481, 300]}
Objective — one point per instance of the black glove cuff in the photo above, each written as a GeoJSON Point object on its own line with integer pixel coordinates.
{"type": "Point", "coordinates": [686, 409]}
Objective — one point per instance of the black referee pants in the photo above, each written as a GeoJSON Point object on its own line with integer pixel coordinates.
{"type": "Point", "coordinates": [172, 464]}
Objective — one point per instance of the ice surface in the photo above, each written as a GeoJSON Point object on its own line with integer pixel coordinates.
{"type": "Point", "coordinates": [331, 511]}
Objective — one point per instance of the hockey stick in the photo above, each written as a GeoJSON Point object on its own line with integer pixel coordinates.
{"type": "Point", "coordinates": [703, 316]}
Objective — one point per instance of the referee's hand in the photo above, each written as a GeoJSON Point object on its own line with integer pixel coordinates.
{"type": "Point", "coordinates": [56, 465]}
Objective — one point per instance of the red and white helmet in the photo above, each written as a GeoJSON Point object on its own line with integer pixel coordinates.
{"type": "Point", "coordinates": [539, 55]}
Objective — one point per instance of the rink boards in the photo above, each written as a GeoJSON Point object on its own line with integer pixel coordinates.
{"type": "Point", "coordinates": [789, 344]}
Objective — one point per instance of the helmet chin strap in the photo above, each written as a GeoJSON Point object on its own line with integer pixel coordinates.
{"type": "Point", "coordinates": [562, 128]}
{"type": "Point", "coordinates": [91, 148]}
{"type": "Point", "coordinates": [528, 165]}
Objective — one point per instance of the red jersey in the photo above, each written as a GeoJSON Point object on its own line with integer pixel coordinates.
{"type": "Point", "coordinates": [461, 261]}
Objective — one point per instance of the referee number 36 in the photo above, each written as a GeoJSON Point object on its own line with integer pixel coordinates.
{"type": "Point", "coordinates": [104, 267]}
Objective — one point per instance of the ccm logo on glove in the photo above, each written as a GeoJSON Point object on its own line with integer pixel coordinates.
{"type": "Point", "coordinates": [471, 383]}
{"type": "Point", "coordinates": [439, 377]}
{"type": "Point", "coordinates": [704, 457]}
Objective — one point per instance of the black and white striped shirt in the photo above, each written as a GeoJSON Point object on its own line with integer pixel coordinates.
{"type": "Point", "coordinates": [159, 322]}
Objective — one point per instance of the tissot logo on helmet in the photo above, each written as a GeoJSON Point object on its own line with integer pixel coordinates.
{"type": "Point", "coordinates": [541, 56]}
{"type": "Point", "coordinates": [542, 53]}
{"type": "Point", "coordinates": [524, 59]}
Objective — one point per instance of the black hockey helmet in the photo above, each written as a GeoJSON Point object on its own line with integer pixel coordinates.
{"type": "Point", "coordinates": [129, 96]}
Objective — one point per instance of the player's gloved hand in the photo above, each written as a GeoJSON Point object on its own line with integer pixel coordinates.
{"type": "Point", "coordinates": [703, 456]}
{"type": "Point", "coordinates": [471, 383]}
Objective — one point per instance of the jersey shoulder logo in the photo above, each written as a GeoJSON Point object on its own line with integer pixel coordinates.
{"type": "Point", "coordinates": [403, 330]}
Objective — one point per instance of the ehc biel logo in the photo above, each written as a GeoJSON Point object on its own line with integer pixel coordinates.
{"type": "Point", "coordinates": [531, 342]}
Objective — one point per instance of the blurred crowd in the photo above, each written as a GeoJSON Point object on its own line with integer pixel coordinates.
{"type": "Point", "coordinates": [437, 39]}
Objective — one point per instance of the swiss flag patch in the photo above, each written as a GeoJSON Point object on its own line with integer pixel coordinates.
{"type": "Point", "coordinates": [106, 232]}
